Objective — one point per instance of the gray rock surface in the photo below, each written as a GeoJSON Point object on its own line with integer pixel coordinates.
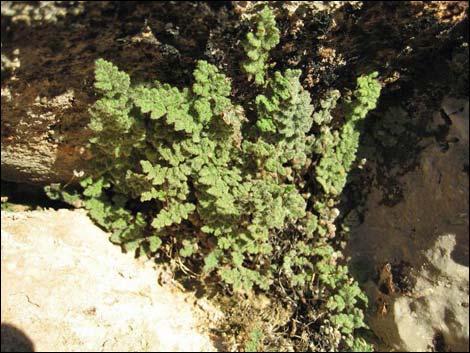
{"type": "Point", "coordinates": [434, 316]}
{"type": "Point", "coordinates": [417, 252]}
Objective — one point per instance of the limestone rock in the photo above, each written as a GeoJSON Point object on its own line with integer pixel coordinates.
{"type": "Point", "coordinates": [419, 248]}
{"type": "Point", "coordinates": [67, 288]}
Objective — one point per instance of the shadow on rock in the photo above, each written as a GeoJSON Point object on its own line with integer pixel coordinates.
{"type": "Point", "coordinates": [14, 340]}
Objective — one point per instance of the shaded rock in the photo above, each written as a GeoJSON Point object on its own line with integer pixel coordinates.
{"type": "Point", "coordinates": [14, 340]}
{"type": "Point", "coordinates": [419, 248]}
{"type": "Point", "coordinates": [48, 55]}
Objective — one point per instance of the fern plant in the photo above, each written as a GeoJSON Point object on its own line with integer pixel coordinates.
{"type": "Point", "coordinates": [257, 45]}
{"type": "Point", "coordinates": [340, 153]}
{"type": "Point", "coordinates": [187, 170]}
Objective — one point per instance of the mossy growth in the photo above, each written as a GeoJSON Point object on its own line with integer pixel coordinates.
{"type": "Point", "coordinates": [185, 172]}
